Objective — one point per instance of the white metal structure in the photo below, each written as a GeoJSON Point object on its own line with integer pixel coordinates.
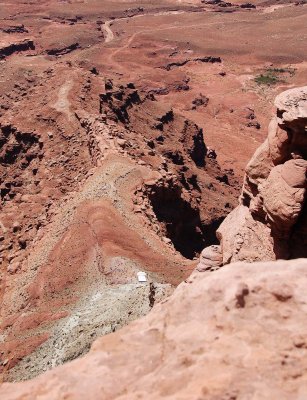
{"type": "Point", "coordinates": [142, 276]}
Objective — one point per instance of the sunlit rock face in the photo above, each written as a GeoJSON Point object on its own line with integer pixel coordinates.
{"type": "Point", "coordinates": [236, 333]}
{"type": "Point", "coordinates": [270, 221]}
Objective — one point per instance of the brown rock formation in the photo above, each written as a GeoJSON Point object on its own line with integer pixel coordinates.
{"type": "Point", "coordinates": [113, 188]}
{"type": "Point", "coordinates": [211, 258]}
{"type": "Point", "coordinates": [270, 221]}
{"type": "Point", "coordinates": [7, 49]}
{"type": "Point", "coordinates": [238, 333]}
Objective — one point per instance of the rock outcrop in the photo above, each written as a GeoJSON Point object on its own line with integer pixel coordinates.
{"type": "Point", "coordinates": [270, 221]}
{"type": "Point", "coordinates": [129, 189]}
{"type": "Point", "coordinates": [9, 48]}
{"type": "Point", "coordinates": [237, 333]}
{"type": "Point", "coordinates": [211, 258]}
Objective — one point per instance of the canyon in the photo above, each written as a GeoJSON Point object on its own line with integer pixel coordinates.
{"type": "Point", "coordinates": [167, 137]}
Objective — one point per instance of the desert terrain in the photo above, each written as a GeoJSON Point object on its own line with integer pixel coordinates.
{"type": "Point", "coordinates": [125, 131]}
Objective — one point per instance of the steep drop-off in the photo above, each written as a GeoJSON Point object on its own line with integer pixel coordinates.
{"type": "Point", "coordinates": [131, 169]}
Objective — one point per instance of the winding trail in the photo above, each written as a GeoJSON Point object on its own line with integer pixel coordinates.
{"type": "Point", "coordinates": [110, 35]}
{"type": "Point", "coordinates": [107, 28]}
{"type": "Point", "coordinates": [107, 25]}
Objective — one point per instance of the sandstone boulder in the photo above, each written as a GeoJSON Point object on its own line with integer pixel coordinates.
{"type": "Point", "coordinates": [283, 195]}
{"type": "Point", "coordinates": [269, 223]}
{"type": "Point", "coordinates": [244, 238]}
{"type": "Point", "coordinates": [237, 333]}
{"type": "Point", "coordinates": [260, 164]}
{"type": "Point", "coordinates": [210, 259]}
{"type": "Point", "coordinates": [279, 142]}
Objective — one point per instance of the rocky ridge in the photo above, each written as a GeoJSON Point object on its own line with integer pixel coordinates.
{"type": "Point", "coordinates": [270, 221]}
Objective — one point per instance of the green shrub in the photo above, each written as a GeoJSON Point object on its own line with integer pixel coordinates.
{"type": "Point", "coordinates": [267, 79]}
{"type": "Point", "coordinates": [288, 70]}
{"type": "Point", "coordinates": [274, 75]}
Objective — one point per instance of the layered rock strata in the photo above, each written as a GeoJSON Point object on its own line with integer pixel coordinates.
{"type": "Point", "coordinates": [270, 220]}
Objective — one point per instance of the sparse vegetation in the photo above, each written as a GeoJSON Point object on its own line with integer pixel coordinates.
{"type": "Point", "coordinates": [272, 76]}
{"type": "Point", "coordinates": [288, 70]}
{"type": "Point", "coordinates": [267, 79]}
